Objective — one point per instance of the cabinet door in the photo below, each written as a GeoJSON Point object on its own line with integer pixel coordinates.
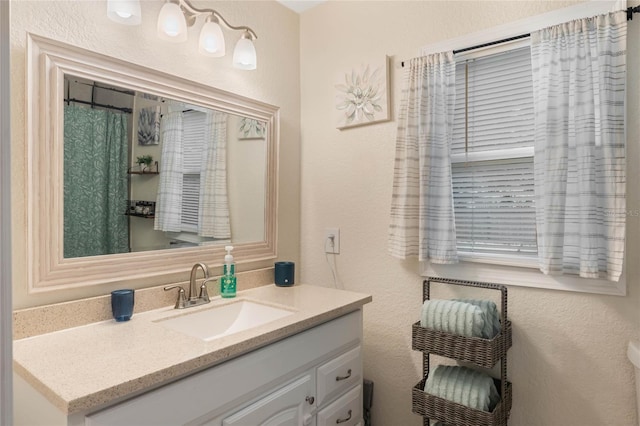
{"type": "Point", "coordinates": [338, 375]}
{"type": "Point", "coordinates": [288, 406]}
{"type": "Point", "coordinates": [345, 411]}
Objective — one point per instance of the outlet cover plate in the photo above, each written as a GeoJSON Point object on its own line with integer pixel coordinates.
{"type": "Point", "coordinates": [332, 234]}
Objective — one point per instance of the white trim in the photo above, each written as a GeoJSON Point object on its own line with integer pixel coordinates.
{"type": "Point", "coordinates": [527, 25]}
{"type": "Point", "coordinates": [524, 277]}
{"type": "Point", "coordinates": [499, 259]}
{"type": "Point", "coordinates": [494, 154]}
{"type": "Point", "coordinates": [493, 49]}
{"type": "Point", "coordinates": [6, 339]}
{"type": "Point", "coordinates": [506, 269]}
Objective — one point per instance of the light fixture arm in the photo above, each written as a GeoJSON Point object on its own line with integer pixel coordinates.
{"type": "Point", "coordinates": [191, 12]}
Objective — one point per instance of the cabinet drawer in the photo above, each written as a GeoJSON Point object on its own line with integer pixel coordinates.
{"type": "Point", "coordinates": [338, 375]}
{"type": "Point", "coordinates": [345, 411]}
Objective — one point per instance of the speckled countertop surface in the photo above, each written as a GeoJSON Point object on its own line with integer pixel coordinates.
{"type": "Point", "coordinates": [88, 367]}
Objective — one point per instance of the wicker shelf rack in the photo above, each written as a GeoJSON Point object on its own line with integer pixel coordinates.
{"type": "Point", "coordinates": [484, 353]}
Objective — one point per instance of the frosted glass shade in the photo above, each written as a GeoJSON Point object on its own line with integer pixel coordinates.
{"type": "Point", "coordinates": [172, 25]}
{"type": "Point", "coordinates": [211, 40]}
{"type": "Point", "coordinates": [124, 11]}
{"type": "Point", "coordinates": [244, 55]}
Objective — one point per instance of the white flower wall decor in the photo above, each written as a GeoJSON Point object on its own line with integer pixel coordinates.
{"type": "Point", "coordinates": [362, 96]}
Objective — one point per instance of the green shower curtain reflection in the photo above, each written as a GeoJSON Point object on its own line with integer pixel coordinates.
{"type": "Point", "coordinates": [95, 182]}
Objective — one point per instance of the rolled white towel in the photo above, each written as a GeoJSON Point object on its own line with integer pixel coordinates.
{"type": "Point", "coordinates": [491, 316]}
{"type": "Point", "coordinates": [450, 316]}
{"type": "Point", "coordinates": [463, 385]}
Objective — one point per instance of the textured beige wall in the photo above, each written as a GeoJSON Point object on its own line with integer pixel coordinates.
{"type": "Point", "coordinates": [568, 363]}
{"type": "Point", "coordinates": [85, 24]}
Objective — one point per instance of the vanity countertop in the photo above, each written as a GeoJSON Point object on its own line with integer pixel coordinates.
{"type": "Point", "coordinates": [85, 368]}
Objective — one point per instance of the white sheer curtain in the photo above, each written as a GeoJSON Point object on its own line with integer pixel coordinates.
{"type": "Point", "coordinates": [213, 213]}
{"type": "Point", "coordinates": [579, 74]}
{"type": "Point", "coordinates": [422, 220]}
{"type": "Point", "coordinates": [168, 216]}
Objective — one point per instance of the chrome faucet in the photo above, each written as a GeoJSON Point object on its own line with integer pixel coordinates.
{"type": "Point", "coordinates": [192, 280]}
{"type": "Point", "coordinates": [193, 300]}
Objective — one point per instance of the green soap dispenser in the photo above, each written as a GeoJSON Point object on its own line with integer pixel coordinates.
{"type": "Point", "coordinates": [228, 281]}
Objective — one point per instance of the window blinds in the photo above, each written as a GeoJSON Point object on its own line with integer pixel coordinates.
{"type": "Point", "coordinates": [193, 137]}
{"type": "Point", "coordinates": [499, 99]}
{"type": "Point", "coordinates": [492, 155]}
{"type": "Point", "coordinates": [493, 206]}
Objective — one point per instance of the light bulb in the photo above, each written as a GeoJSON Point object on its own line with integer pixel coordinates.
{"type": "Point", "coordinates": [172, 25]}
{"type": "Point", "coordinates": [211, 40]}
{"type": "Point", "coordinates": [124, 11]}
{"type": "Point", "coordinates": [244, 55]}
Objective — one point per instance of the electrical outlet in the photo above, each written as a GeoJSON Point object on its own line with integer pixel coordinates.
{"type": "Point", "coordinates": [332, 240]}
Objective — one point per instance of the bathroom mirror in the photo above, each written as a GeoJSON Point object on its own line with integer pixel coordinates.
{"type": "Point", "coordinates": [58, 78]}
{"type": "Point", "coordinates": [143, 172]}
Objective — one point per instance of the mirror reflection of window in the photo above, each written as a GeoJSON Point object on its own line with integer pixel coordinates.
{"type": "Point", "coordinates": [193, 146]}
{"type": "Point", "coordinates": [192, 195]}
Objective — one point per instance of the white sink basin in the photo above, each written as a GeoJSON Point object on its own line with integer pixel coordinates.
{"type": "Point", "coordinates": [222, 320]}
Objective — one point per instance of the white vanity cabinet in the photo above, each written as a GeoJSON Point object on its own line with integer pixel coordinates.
{"type": "Point", "coordinates": [311, 378]}
{"type": "Point", "coordinates": [339, 379]}
{"type": "Point", "coordinates": [286, 406]}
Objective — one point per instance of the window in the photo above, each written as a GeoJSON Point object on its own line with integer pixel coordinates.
{"type": "Point", "coordinates": [502, 268]}
{"type": "Point", "coordinates": [192, 139]}
{"type": "Point", "coordinates": [492, 157]}
{"type": "Point", "coordinates": [196, 211]}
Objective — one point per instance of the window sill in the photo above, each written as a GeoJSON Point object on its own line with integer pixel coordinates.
{"type": "Point", "coordinates": [505, 272]}
{"type": "Point", "coordinates": [503, 260]}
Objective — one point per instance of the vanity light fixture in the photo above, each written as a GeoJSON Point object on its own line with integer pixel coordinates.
{"type": "Point", "coordinates": [177, 15]}
{"type": "Point", "coordinates": [244, 55]}
{"type": "Point", "coordinates": [211, 39]}
{"type": "Point", "coordinates": [172, 24]}
{"type": "Point", "coordinates": [124, 11]}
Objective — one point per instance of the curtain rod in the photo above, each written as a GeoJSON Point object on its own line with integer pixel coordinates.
{"type": "Point", "coordinates": [94, 104]}
{"type": "Point", "coordinates": [491, 43]}
{"type": "Point", "coordinates": [97, 86]}
{"type": "Point", "coordinates": [630, 12]}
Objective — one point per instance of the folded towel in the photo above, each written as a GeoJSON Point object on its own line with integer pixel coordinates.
{"type": "Point", "coordinates": [463, 385]}
{"type": "Point", "coordinates": [450, 316]}
{"type": "Point", "coordinates": [491, 316]}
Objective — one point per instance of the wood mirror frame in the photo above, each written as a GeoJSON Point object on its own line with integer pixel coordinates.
{"type": "Point", "coordinates": [47, 63]}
